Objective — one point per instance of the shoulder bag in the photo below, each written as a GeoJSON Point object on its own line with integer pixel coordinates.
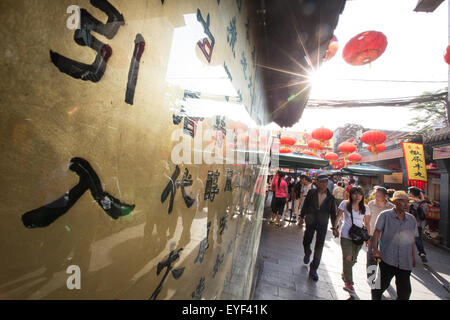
{"type": "Point", "coordinates": [357, 234]}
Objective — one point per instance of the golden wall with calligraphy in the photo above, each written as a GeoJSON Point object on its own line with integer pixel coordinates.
{"type": "Point", "coordinates": [49, 117]}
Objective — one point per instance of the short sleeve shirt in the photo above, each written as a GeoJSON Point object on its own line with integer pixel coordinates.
{"type": "Point", "coordinates": [281, 190]}
{"type": "Point", "coordinates": [397, 238]}
{"type": "Point", "coordinates": [338, 192]}
{"type": "Point", "coordinates": [358, 219]}
{"type": "Point", "coordinates": [305, 190]}
{"type": "Point", "coordinates": [375, 211]}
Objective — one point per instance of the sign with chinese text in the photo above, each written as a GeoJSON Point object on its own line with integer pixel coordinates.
{"type": "Point", "coordinates": [415, 164]}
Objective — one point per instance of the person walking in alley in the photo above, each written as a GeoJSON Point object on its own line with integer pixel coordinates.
{"type": "Point", "coordinates": [376, 206]}
{"type": "Point", "coordinates": [297, 197]}
{"type": "Point", "coordinates": [418, 208]}
{"type": "Point", "coordinates": [338, 193]}
{"type": "Point", "coordinates": [318, 208]}
{"type": "Point", "coordinates": [306, 186]}
{"type": "Point", "coordinates": [290, 198]}
{"type": "Point", "coordinates": [356, 213]}
{"type": "Point", "coordinates": [281, 196]}
{"type": "Point", "coordinates": [394, 242]}
{"type": "Point", "coordinates": [272, 204]}
{"type": "Point", "coordinates": [351, 183]}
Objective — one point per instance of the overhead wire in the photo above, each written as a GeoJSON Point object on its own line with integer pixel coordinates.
{"type": "Point", "coordinates": [386, 102]}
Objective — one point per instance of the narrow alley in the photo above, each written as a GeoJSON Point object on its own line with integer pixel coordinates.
{"type": "Point", "coordinates": [282, 274]}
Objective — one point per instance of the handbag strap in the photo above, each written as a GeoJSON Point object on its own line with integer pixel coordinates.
{"type": "Point", "coordinates": [351, 214]}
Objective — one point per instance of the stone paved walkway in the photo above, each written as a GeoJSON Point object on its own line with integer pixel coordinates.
{"type": "Point", "coordinates": [282, 274]}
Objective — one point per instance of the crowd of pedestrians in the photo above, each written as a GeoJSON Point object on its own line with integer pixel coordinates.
{"type": "Point", "coordinates": [388, 222]}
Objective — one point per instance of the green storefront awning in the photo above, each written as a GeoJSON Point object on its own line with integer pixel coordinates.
{"type": "Point", "coordinates": [285, 160]}
{"type": "Point", "coordinates": [365, 170]}
{"type": "Point", "coordinates": [300, 161]}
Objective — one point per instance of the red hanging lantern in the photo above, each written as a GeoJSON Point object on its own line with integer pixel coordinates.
{"type": "Point", "coordinates": [364, 48]}
{"type": "Point", "coordinates": [373, 138]}
{"type": "Point", "coordinates": [315, 145]}
{"type": "Point", "coordinates": [286, 140]}
{"type": "Point", "coordinates": [331, 156]}
{"type": "Point", "coordinates": [309, 153]}
{"type": "Point", "coordinates": [346, 148]}
{"type": "Point", "coordinates": [285, 150]}
{"type": "Point", "coordinates": [377, 148]}
{"type": "Point", "coordinates": [322, 134]}
{"type": "Point", "coordinates": [338, 164]}
{"type": "Point", "coordinates": [332, 48]}
{"type": "Point", "coordinates": [355, 157]}
{"type": "Point", "coordinates": [447, 55]}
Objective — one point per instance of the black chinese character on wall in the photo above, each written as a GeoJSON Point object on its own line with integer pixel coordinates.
{"type": "Point", "coordinates": [190, 123]}
{"type": "Point", "coordinates": [232, 35]}
{"type": "Point", "coordinates": [212, 185]}
{"type": "Point", "coordinates": [167, 264]}
{"type": "Point", "coordinates": [223, 223]}
{"type": "Point", "coordinates": [93, 72]}
{"type": "Point", "coordinates": [198, 292]}
{"type": "Point", "coordinates": [204, 245]}
{"type": "Point", "coordinates": [172, 186]}
{"type": "Point", "coordinates": [206, 43]}
{"type": "Point", "coordinates": [219, 261]}
{"type": "Point", "coordinates": [88, 180]}
{"type": "Point", "coordinates": [244, 64]}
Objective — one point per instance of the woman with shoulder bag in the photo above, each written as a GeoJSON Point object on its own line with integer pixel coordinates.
{"type": "Point", "coordinates": [354, 232]}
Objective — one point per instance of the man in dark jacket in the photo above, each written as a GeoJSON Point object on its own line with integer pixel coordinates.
{"type": "Point", "coordinates": [319, 206]}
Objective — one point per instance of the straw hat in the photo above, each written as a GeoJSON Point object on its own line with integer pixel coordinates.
{"type": "Point", "coordinates": [400, 195]}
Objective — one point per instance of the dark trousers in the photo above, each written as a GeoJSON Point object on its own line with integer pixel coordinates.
{"type": "Point", "coordinates": [402, 282]}
{"type": "Point", "coordinates": [320, 240]}
{"type": "Point", "coordinates": [419, 243]}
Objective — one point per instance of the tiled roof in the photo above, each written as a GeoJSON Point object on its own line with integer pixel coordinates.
{"type": "Point", "coordinates": [439, 135]}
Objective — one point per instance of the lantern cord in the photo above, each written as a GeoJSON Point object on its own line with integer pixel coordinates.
{"type": "Point", "coordinates": [389, 102]}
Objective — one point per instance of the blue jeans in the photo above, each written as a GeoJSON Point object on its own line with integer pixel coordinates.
{"type": "Point", "coordinates": [419, 243]}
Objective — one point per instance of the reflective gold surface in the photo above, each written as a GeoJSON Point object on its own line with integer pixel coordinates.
{"type": "Point", "coordinates": [48, 117]}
